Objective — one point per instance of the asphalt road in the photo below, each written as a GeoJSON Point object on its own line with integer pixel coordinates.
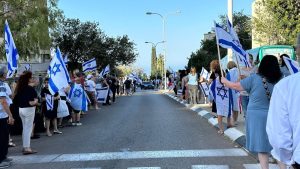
{"type": "Point", "coordinates": [145, 131]}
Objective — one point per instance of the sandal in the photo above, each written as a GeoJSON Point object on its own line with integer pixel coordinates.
{"type": "Point", "coordinates": [29, 152]}
{"type": "Point", "coordinates": [221, 132]}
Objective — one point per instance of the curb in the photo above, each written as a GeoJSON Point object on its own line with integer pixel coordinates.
{"type": "Point", "coordinates": [232, 133]}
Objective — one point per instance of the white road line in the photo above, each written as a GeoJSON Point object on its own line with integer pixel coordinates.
{"type": "Point", "coordinates": [210, 167]}
{"type": "Point", "coordinates": [213, 121]}
{"type": "Point", "coordinates": [257, 166]}
{"type": "Point", "coordinates": [203, 112]}
{"type": "Point", "coordinates": [85, 168]}
{"type": "Point", "coordinates": [143, 168]}
{"type": "Point", "coordinates": [129, 155]}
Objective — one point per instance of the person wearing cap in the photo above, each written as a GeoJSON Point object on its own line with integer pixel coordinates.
{"type": "Point", "coordinates": [90, 87]}
{"type": "Point", "coordinates": [5, 119]}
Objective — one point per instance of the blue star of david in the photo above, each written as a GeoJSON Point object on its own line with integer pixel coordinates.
{"type": "Point", "coordinates": [77, 93]}
{"type": "Point", "coordinates": [224, 93]}
{"type": "Point", "coordinates": [55, 69]}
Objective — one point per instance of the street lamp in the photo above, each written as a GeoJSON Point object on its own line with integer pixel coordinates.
{"type": "Point", "coordinates": [164, 39]}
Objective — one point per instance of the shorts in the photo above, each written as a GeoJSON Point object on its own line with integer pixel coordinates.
{"type": "Point", "coordinates": [76, 111]}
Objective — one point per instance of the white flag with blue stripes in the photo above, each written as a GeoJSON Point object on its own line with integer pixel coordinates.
{"type": "Point", "coordinates": [102, 94]}
{"type": "Point", "coordinates": [292, 65]}
{"type": "Point", "coordinates": [78, 98]}
{"type": "Point", "coordinates": [222, 98]}
{"type": "Point", "coordinates": [49, 102]}
{"type": "Point", "coordinates": [105, 71]}
{"type": "Point", "coordinates": [58, 74]}
{"type": "Point", "coordinates": [89, 66]}
{"type": "Point", "coordinates": [204, 73]}
{"type": "Point", "coordinates": [223, 37]}
{"type": "Point", "coordinates": [66, 60]}
{"type": "Point", "coordinates": [11, 51]}
{"type": "Point", "coordinates": [237, 46]}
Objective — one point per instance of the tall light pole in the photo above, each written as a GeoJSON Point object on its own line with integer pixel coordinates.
{"type": "Point", "coordinates": [229, 14]}
{"type": "Point", "coordinates": [164, 39]}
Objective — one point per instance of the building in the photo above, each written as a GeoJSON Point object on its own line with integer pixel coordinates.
{"type": "Point", "coordinates": [209, 36]}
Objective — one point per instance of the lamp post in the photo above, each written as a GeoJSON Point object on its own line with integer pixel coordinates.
{"type": "Point", "coordinates": [164, 39]}
{"type": "Point", "coordinates": [154, 62]}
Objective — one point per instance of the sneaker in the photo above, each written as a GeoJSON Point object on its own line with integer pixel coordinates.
{"type": "Point", "coordinates": [78, 124]}
{"type": "Point", "coordinates": [73, 124]}
{"type": "Point", "coordinates": [5, 164]}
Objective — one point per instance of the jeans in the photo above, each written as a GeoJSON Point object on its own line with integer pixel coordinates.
{"type": "Point", "coordinates": [193, 90]}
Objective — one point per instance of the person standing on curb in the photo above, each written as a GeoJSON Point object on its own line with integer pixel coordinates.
{"type": "Point", "coordinates": [192, 86]}
{"type": "Point", "coordinates": [5, 119]}
{"type": "Point", "coordinates": [283, 125]}
{"type": "Point", "coordinates": [260, 87]}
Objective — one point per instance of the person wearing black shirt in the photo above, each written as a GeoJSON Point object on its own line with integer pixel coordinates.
{"type": "Point", "coordinates": [50, 115]}
{"type": "Point", "coordinates": [26, 99]}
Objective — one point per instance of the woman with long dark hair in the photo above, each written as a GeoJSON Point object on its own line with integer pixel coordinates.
{"type": "Point", "coordinates": [26, 100]}
{"type": "Point", "coordinates": [259, 86]}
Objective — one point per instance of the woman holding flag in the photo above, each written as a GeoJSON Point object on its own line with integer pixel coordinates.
{"type": "Point", "coordinates": [259, 86]}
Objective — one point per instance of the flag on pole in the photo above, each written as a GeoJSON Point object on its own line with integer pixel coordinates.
{"type": "Point", "coordinates": [11, 51]}
{"type": "Point", "coordinates": [242, 55]}
{"type": "Point", "coordinates": [89, 66]}
{"type": "Point", "coordinates": [105, 71]}
{"type": "Point", "coordinates": [204, 73]}
{"type": "Point", "coordinates": [58, 74]}
{"type": "Point", "coordinates": [292, 65]}
{"type": "Point", "coordinates": [102, 94]}
{"type": "Point", "coordinates": [49, 102]}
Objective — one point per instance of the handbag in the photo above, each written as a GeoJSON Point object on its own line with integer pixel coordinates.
{"type": "Point", "coordinates": [62, 109]}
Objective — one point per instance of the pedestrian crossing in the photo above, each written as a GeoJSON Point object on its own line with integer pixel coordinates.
{"type": "Point", "coordinates": [246, 166]}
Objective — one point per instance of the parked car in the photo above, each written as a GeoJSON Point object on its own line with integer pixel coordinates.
{"type": "Point", "coordinates": [147, 85]}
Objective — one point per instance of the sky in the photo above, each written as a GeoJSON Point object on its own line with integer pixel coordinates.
{"type": "Point", "coordinates": [184, 31]}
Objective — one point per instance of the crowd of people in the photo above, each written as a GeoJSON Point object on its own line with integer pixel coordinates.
{"type": "Point", "coordinates": [269, 112]}
{"type": "Point", "coordinates": [24, 109]}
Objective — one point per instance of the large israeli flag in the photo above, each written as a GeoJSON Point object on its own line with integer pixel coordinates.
{"type": "Point", "coordinates": [204, 73]}
{"type": "Point", "coordinates": [89, 66]}
{"type": "Point", "coordinates": [222, 97]}
{"type": "Point", "coordinates": [292, 65]}
{"type": "Point", "coordinates": [78, 98]}
{"type": "Point", "coordinates": [11, 51]}
{"type": "Point", "coordinates": [223, 37]}
{"type": "Point", "coordinates": [105, 71]}
{"type": "Point", "coordinates": [239, 51]}
{"type": "Point", "coordinates": [58, 74]}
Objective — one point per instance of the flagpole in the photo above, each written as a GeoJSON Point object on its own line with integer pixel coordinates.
{"type": "Point", "coordinates": [238, 64]}
{"type": "Point", "coordinates": [219, 55]}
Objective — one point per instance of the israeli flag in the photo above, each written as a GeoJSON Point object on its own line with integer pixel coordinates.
{"type": "Point", "coordinates": [221, 95]}
{"type": "Point", "coordinates": [105, 71]}
{"type": "Point", "coordinates": [89, 66]}
{"type": "Point", "coordinates": [292, 65]}
{"type": "Point", "coordinates": [233, 76]}
{"type": "Point", "coordinates": [132, 76]}
{"type": "Point", "coordinates": [78, 98]}
{"type": "Point", "coordinates": [49, 102]}
{"type": "Point", "coordinates": [204, 73]}
{"type": "Point", "coordinates": [58, 74]}
{"type": "Point", "coordinates": [11, 51]}
{"type": "Point", "coordinates": [28, 67]}
{"type": "Point", "coordinates": [223, 37]}
{"type": "Point", "coordinates": [205, 88]}
{"type": "Point", "coordinates": [242, 55]}
{"type": "Point", "coordinates": [102, 94]}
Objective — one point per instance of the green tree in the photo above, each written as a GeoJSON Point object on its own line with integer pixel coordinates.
{"type": "Point", "coordinates": [30, 22]}
{"type": "Point", "coordinates": [85, 40]}
{"type": "Point", "coordinates": [278, 21]}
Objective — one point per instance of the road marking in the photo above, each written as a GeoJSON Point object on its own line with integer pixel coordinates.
{"type": "Point", "coordinates": [210, 167]}
{"type": "Point", "coordinates": [129, 155]}
{"type": "Point", "coordinates": [213, 121]}
{"type": "Point", "coordinates": [143, 168]}
{"type": "Point", "coordinates": [257, 166]}
{"type": "Point", "coordinates": [203, 112]}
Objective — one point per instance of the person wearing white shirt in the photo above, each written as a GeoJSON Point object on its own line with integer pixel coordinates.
{"type": "Point", "coordinates": [90, 87]}
{"type": "Point", "coordinates": [283, 125]}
